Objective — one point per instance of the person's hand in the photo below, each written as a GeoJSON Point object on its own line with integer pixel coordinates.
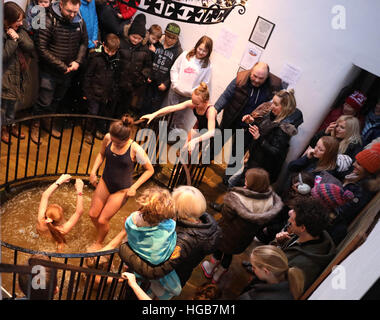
{"type": "Point", "coordinates": [282, 236]}
{"type": "Point", "coordinates": [149, 80]}
{"type": "Point", "coordinates": [79, 185]}
{"type": "Point", "coordinates": [74, 66]}
{"type": "Point", "coordinates": [119, 15]}
{"type": "Point", "coordinates": [149, 117]}
{"type": "Point", "coordinates": [330, 128]}
{"type": "Point", "coordinates": [310, 153]}
{"type": "Point", "coordinates": [95, 42]}
{"type": "Point", "coordinates": [162, 87]}
{"type": "Point", "coordinates": [130, 277]}
{"type": "Point", "coordinates": [255, 132]}
{"type": "Point", "coordinates": [247, 118]}
{"type": "Point", "coordinates": [13, 34]}
{"type": "Point", "coordinates": [63, 178]}
{"type": "Point", "coordinates": [94, 179]}
{"type": "Point", "coordinates": [131, 192]}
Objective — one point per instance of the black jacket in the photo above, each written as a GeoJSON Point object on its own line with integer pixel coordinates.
{"type": "Point", "coordinates": [194, 242]}
{"type": "Point", "coordinates": [267, 291]}
{"type": "Point", "coordinates": [270, 150]}
{"type": "Point", "coordinates": [135, 65]}
{"type": "Point", "coordinates": [61, 42]}
{"type": "Point", "coordinates": [101, 79]}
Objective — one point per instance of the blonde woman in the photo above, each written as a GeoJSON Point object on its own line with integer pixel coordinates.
{"type": "Point", "coordinates": [281, 282]}
{"type": "Point", "coordinates": [347, 130]}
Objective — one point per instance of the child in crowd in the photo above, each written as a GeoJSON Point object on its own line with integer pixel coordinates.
{"type": "Point", "coordinates": [244, 211]}
{"type": "Point", "coordinates": [276, 280]}
{"type": "Point", "coordinates": [151, 234]}
{"type": "Point", "coordinates": [17, 48]}
{"type": "Point", "coordinates": [51, 221]}
{"type": "Point", "coordinates": [135, 66]}
{"type": "Point", "coordinates": [100, 85]}
{"type": "Point", "coordinates": [188, 71]}
{"type": "Point", "coordinates": [34, 10]}
{"type": "Point", "coordinates": [153, 37]}
{"type": "Point", "coordinates": [90, 17]}
{"type": "Point", "coordinates": [166, 53]}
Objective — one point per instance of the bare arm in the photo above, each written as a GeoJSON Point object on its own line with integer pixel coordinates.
{"type": "Point", "coordinates": [45, 198]}
{"type": "Point", "coordinates": [65, 229]}
{"type": "Point", "coordinates": [99, 160]}
{"type": "Point", "coordinates": [140, 294]}
{"type": "Point", "coordinates": [168, 109]}
{"type": "Point", "coordinates": [115, 242]}
{"type": "Point", "coordinates": [142, 158]}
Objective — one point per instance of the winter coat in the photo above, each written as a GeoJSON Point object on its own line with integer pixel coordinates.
{"type": "Point", "coordinates": [194, 242]}
{"type": "Point", "coordinates": [268, 291]}
{"type": "Point", "coordinates": [269, 151]}
{"type": "Point", "coordinates": [244, 213]}
{"type": "Point", "coordinates": [241, 98]}
{"type": "Point", "coordinates": [101, 79]}
{"type": "Point", "coordinates": [311, 256]}
{"type": "Point", "coordinates": [89, 15]}
{"type": "Point", "coordinates": [135, 65]}
{"type": "Point", "coordinates": [371, 128]}
{"type": "Point", "coordinates": [61, 42]}
{"type": "Point", "coordinates": [14, 77]}
{"type": "Point", "coordinates": [163, 61]}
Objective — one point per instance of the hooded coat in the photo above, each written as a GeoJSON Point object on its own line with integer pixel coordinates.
{"type": "Point", "coordinates": [244, 213]}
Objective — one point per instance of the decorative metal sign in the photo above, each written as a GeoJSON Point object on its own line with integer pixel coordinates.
{"type": "Point", "coordinates": [204, 13]}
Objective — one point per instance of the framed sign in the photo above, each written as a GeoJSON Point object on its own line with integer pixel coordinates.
{"type": "Point", "coordinates": [261, 32]}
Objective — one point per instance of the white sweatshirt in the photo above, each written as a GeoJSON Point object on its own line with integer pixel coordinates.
{"type": "Point", "coordinates": [186, 75]}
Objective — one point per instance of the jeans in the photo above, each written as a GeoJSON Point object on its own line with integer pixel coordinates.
{"type": "Point", "coordinates": [52, 90]}
{"type": "Point", "coordinates": [8, 111]}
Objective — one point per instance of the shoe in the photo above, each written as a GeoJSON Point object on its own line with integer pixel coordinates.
{"type": "Point", "coordinates": [247, 266]}
{"type": "Point", "coordinates": [35, 133]}
{"type": "Point", "coordinates": [89, 139]}
{"type": "Point", "coordinates": [55, 133]}
{"type": "Point", "coordinates": [216, 206]}
{"type": "Point", "coordinates": [218, 274]}
{"type": "Point", "coordinates": [208, 267]}
{"type": "Point", "coordinates": [15, 133]}
{"type": "Point", "coordinates": [5, 135]}
{"type": "Point", "coordinates": [46, 125]}
{"type": "Point", "coordinates": [99, 135]}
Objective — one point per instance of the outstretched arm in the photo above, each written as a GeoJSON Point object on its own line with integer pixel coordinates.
{"type": "Point", "coordinates": [168, 109]}
{"type": "Point", "coordinates": [46, 195]}
{"type": "Point", "coordinates": [140, 294]}
{"type": "Point", "coordinates": [65, 229]}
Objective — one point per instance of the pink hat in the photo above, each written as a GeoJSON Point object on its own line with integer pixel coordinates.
{"type": "Point", "coordinates": [331, 194]}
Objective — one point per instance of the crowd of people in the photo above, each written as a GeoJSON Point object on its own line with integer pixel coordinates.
{"type": "Point", "coordinates": [126, 69]}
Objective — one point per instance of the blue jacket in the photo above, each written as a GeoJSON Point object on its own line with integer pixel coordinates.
{"type": "Point", "coordinates": [88, 13]}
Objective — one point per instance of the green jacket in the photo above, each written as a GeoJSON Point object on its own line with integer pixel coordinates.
{"type": "Point", "coordinates": [13, 78]}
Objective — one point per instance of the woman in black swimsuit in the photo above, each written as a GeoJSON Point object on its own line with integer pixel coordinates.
{"type": "Point", "coordinates": [116, 184]}
{"type": "Point", "coordinates": [205, 114]}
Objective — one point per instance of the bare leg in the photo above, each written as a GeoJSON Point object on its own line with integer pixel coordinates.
{"type": "Point", "coordinates": [98, 202]}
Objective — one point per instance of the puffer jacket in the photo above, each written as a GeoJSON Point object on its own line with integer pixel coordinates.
{"type": "Point", "coordinates": [135, 65]}
{"type": "Point", "coordinates": [270, 150]}
{"type": "Point", "coordinates": [61, 42]}
{"type": "Point", "coordinates": [244, 213]}
{"type": "Point", "coordinates": [194, 242]}
{"type": "Point", "coordinates": [13, 75]}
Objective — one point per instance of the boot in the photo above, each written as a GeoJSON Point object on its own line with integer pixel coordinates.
{"type": "Point", "coordinates": [5, 135]}
{"type": "Point", "coordinates": [218, 274]}
{"type": "Point", "coordinates": [35, 133]}
{"type": "Point", "coordinates": [46, 125]}
{"type": "Point", "coordinates": [15, 133]}
{"type": "Point", "coordinates": [208, 267]}
{"type": "Point", "coordinates": [88, 138]}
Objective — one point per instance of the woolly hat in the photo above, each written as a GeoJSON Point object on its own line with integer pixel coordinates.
{"type": "Point", "coordinates": [138, 26]}
{"type": "Point", "coordinates": [331, 194]}
{"type": "Point", "coordinates": [369, 159]}
{"type": "Point", "coordinates": [173, 29]}
{"type": "Point", "coordinates": [356, 100]}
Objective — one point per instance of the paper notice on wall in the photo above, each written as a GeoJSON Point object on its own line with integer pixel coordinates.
{"type": "Point", "coordinates": [290, 75]}
{"type": "Point", "coordinates": [225, 43]}
{"type": "Point", "coordinates": [251, 55]}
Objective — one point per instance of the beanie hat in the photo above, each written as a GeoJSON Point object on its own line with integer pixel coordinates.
{"type": "Point", "coordinates": [376, 147]}
{"type": "Point", "coordinates": [356, 100]}
{"type": "Point", "coordinates": [331, 194]}
{"type": "Point", "coordinates": [173, 28]}
{"type": "Point", "coordinates": [369, 159]}
{"type": "Point", "coordinates": [138, 26]}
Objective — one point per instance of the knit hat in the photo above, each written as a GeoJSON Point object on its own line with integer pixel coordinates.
{"type": "Point", "coordinates": [331, 194]}
{"type": "Point", "coordinates": [356, 100]}
{"type": "Point", "coordinates": [138, 26]}
{"type": "Point", "coordinates": [376, 147]}
{"type": "Point", "coordinates": [173, 29]}
{"type": "Point", "coordinates": [369, 159]}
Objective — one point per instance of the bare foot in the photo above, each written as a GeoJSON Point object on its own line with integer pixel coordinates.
{"type": "Point", "coordinates": [94, 247]}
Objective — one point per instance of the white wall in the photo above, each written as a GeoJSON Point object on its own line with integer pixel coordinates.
{"type": "Point", "coordinates": [303, 37]}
